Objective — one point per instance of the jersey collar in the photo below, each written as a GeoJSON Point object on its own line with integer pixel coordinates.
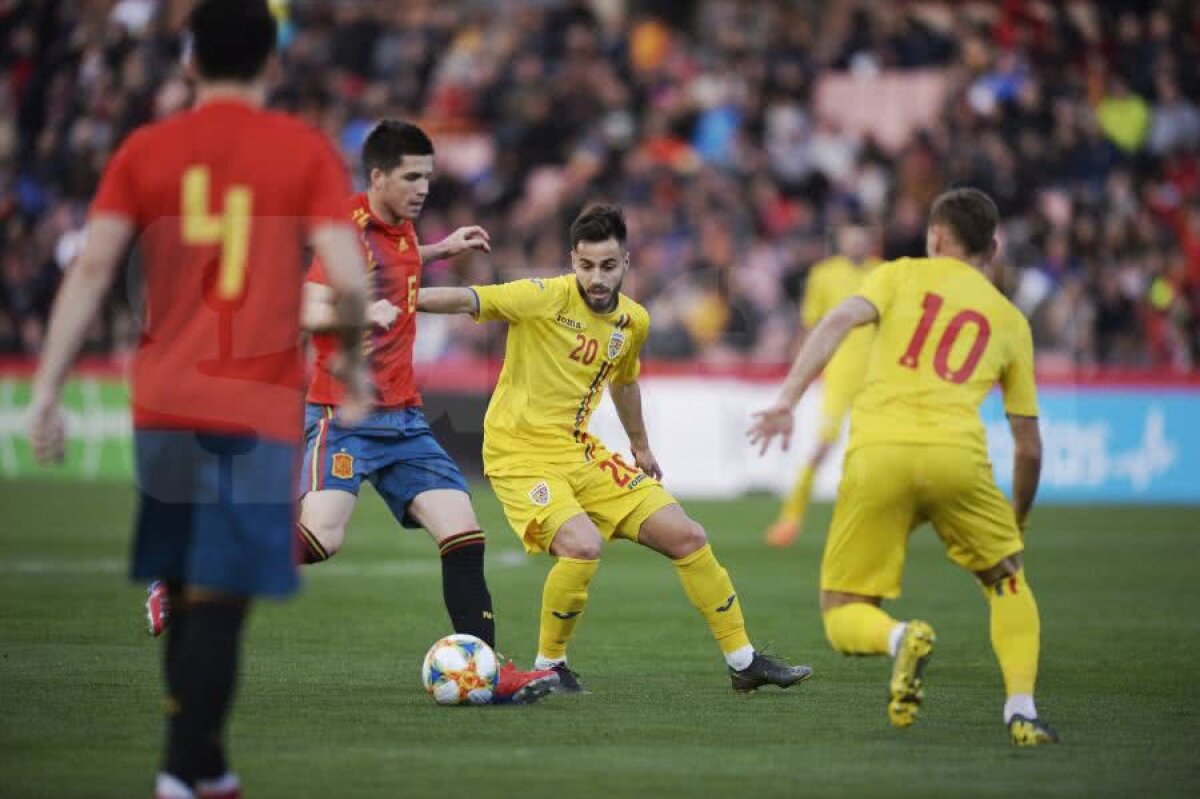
{"type": "Point", "coordinates": [362, 213]}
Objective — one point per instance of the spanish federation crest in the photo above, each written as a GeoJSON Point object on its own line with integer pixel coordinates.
{"type": "Point", "coordinates": [616, 343]}
{"type": "Point", "coordinates": [343, 465]}
{"type": "Point", "coordinates": [540, 495]}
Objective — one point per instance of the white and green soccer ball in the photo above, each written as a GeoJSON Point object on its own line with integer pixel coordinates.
{"type": "Point", "coordinates": [460, 670]}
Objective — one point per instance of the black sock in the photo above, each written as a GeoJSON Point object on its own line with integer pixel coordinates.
{"type": "Point", "coordinates": [308, 547]}
{"type": "Point", "coordinates": [173, 637]}
{"type": "Point", "coordinates": [464, 588]}
{"type": "Point", "coordinates": [202, 656]}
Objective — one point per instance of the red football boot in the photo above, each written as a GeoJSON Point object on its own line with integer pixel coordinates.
{"type": "Point", "coordinates": [523, 687]}
{"type": "Point", "coordinates": [158, 607]}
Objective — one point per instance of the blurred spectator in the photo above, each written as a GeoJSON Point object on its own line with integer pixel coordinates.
{"type": "Point", "coordinates": [735, 133]}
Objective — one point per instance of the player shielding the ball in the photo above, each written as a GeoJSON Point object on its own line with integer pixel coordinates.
{"type": "Point", "coordinates": [563, 492]}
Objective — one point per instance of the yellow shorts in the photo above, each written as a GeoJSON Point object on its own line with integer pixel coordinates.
{"type": "Point", "coordinates": [616, 495]}
{"type": "Point", "coordinates": [888, 490]}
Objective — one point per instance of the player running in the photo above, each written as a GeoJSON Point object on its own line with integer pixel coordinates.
{"type": "Point", "coordinates": [219, 201]}
{"type": "Point", "coordinates": [394, 448]}
{"type": "Point", "coordinates": [829, 283]}
{"type": "Point", "coordinates": [562, 491]}
{"type": "Point", "coordinates": [917, 453]}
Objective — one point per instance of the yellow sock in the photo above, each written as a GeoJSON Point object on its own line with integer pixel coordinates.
{"type": "Point", "coordinates": [796, 504]}
{"type": "Point", "coordinates": [711, 592]}
{"type": "Point", "coordinates": [858, 628]}
{"type": "Point", "coordinates": [564, 597]}
{"type": "Point", "coordinates": [1016, 632]}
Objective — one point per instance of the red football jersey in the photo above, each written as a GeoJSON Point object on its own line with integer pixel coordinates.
{"type": "Point", "coordinates": [394, 269]}
{"type": "Point", "coordinates": [223, 197]}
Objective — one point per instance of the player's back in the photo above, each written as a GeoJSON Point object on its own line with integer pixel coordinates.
{"type": "Point", "coordinates": [945, 337]}
{"type": "Point", "coordinates": [222, 197]}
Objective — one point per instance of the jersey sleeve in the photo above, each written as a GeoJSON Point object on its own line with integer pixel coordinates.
{"type": "Point", "coordinates": [1017, 380]}
{"type": "Point", "coordinates": [812, 307]}
{"type": "Point", "coordinates": [117, 193]}
{"type": "Point", "coordinates": [328, 187]}
{"type": "Point", "coordinates": [512, 302]}
{"type": "Point", "coordinates": [630, 365]}
{"type": "Point", "coordinates": [879, 288]}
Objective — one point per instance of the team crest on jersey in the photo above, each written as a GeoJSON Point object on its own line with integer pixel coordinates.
{"type": "Point", "coordinates": [343, 465]}
{"type": "Point", "coordinates": [616, 343]}
{"type": "Point", "coordinates": [540, 495]}
{"type": "Point", "coordinates": [537, 281]}
{"type": "Point", "coordinates": [402, 245]}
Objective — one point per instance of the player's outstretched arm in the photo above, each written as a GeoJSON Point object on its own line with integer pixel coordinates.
{"type": "Point", "coordinates": [83, 290]}
{"type": "Point", "coordinates": [627, 397]}
{"type": "Point", "coordinates": [318, 312]}
{"type": "Point", "coordinates": [448, 301]}
{"type": "Point", "coordinates": [818, 348]}
{"type": "Point", "coordinates": [462, 240]}
{"type": "Point", "coordinates": [1027, 464]}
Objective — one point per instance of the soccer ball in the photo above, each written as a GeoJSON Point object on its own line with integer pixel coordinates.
{"type": "Point", "coordinates": [460, 670]}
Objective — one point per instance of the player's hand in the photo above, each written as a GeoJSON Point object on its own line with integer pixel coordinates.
{"type": "Point", "coordinates": [358, 396]}
{"type": "Point", "coordinates": [644, 459]}
{"type": "Point", "coordinates": [467, 238]}
{"type": "Point", "coordinates": [47, 432]}
{"type": "Point", "coordinates": [776, 420]}
{"type": "Point", "coordinates": [383, 314]}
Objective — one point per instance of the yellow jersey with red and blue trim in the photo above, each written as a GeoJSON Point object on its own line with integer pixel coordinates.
{"type": "Point", "coordinates": [558, 360]}
{"type": "Point", "coordinates": [946, 336]}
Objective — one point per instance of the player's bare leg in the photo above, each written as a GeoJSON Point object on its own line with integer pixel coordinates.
{"type": "Point", "coordinates": [855, 624]}
{"type": "Point", "coordinates": [576, 547]}
{"type": "Point", "coordinates": [673, 533]}
{"type": "Point", "coordinates": [324, 517]}
{"type": "Point", "coordinates": [1016, 638]}
{"type": "Point", "coordinates": [784, 531]}
{"type": "Point", "coordinates": [200, 661]}
{"type": "Point", "coordinates": [448, 517]}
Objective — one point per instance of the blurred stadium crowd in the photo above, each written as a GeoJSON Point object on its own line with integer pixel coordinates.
{"type": "Point", "coordinates": [739, 135]}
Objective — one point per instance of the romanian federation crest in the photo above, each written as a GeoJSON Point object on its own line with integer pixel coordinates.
{"type": "Point", "coordinates": [616, 343]}
{"type": "Point", "coordinates": [540, 494]}
{"type": "Point", "coordinates": [343, 465]}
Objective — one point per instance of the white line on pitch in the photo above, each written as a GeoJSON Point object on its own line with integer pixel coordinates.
{"type": "Point", "coordinates": [385, 568]}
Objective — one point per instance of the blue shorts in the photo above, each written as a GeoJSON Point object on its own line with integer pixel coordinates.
{"type": "Point", "coordinates": [215, 511]}
{"type": "Point", "coordinates": [393, 449]}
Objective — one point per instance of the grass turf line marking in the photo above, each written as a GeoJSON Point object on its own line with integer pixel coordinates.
{"type": "Point", "coordinates": [385, 568]}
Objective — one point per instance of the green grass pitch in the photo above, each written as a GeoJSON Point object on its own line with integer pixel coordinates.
{"type": "Point", "coordinates": [330, 703]}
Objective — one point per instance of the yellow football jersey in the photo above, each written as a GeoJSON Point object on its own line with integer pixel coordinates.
{"type": "Point", "coordinates": [559, 357]}
{"type": "Point", "coordinates": [945, 337]}
{"type": "Point", "coordinates": [830, 282]}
